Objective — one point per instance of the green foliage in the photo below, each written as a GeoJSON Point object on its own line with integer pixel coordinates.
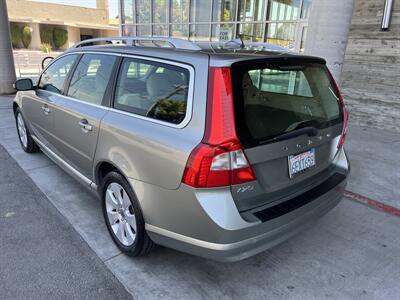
{"type": "Point", "coordinates": [46, 35]}
{"type": "Point", "coordinates": [45, 48]}
{"type": "Point", "coordinates": [15, 35]}
{"type": "Point", "coordinates": [60, 37]}
{"type": "Point", "coordinates": [26, 36]}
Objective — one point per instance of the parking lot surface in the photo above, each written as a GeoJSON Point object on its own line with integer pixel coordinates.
{"type": "Point", "coordinates": [41, 255]}
{"type": "Point", "coordinates": [351, 253]}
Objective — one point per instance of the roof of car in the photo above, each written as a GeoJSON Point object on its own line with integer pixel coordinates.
{"type": "Point", "coordinates": [219, 55]}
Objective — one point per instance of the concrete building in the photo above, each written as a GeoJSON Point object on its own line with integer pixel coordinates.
{"type": "Point", "coordinates": [80, 22]}
{"type": "Point", "coordinates": [363, 58]}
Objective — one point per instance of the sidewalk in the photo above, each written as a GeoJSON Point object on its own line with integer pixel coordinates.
{"type": "Point", "coordinates": [351, 253]}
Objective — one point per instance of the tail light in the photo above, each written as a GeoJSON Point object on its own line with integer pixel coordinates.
{"type": "Point", "coordinates": [219, 160]}
{"type": "Point", "coordinates": [345, 114]}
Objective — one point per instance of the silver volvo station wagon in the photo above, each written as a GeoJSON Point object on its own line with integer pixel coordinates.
{"type": "Point", "coordinates": [218, 150]}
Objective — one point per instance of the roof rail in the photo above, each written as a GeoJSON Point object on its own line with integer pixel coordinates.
{"type": "Point", "coordinates": [133, 41]}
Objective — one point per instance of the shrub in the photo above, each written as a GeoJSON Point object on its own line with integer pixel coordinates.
{"type": "Point", "coordinates": [45, 48]}
{"type": "Point", "coordinates": [46, 36]}
{"type": "Point", "coordinates": [15, 35]}
{"type": "Point", "coordinates": [26, 36]}
{"type": "Point", "coordinates": [60, 37]}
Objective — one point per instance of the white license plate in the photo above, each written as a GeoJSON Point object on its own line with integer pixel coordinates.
{"type": "Point", "coordinates": [301, 162]}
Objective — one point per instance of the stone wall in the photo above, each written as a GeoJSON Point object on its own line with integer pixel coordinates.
{"type": "Point", "coordinates": [371, 74]}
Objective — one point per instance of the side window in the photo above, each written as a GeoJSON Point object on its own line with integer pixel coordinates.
{"type": "Point", "coordinates": [54, 77]}
{"type": "Point", "coordinates": [91, 77]}
{"type": "Point", "coordinates": [152, 89]}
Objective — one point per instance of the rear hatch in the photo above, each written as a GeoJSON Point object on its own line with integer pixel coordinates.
{"type": "Point", "coordinates": [288, 118]}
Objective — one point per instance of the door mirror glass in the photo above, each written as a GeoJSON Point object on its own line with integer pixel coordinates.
{"type": "Point", "coordinates": [25, 84]}
{"type": "Point", "coordinates": [46, 61]}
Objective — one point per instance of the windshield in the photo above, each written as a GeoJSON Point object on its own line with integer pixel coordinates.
{"type": "Point", "coordinates": [278, 98]}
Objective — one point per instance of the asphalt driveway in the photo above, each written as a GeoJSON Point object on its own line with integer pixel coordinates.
{"type": "Point", "coordinates": [41, 254]}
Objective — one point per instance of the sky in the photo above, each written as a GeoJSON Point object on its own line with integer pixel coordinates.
{"type": "Point", "coordinates": [113, 4]}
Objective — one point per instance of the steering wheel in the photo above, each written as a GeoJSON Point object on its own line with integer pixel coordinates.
{"type": "Point", "coordinates": [150, 111]}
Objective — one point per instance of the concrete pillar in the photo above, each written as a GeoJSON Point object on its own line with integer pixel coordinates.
{"type": "Point", "coordinates": [74, 36]}
{"type": "Point", "coordinates": [36, 42]}
{"type": "Point", "coordinates": [328, 30]}
{"type": "Point", "coordinates": [7, 69]}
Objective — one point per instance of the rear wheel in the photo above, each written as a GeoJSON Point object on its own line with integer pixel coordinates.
{"type": "Point", "coordinates": [25, 139]}
{"type": "Point", "coordinates": [124, 217]}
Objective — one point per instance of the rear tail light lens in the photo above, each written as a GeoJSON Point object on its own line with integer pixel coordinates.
{"type": "Point", "coordinates": [214, 166]}
{"type": "Point", "coordinates": [345, 114]}
{"type": "Point", "coordinates": [219, 159]}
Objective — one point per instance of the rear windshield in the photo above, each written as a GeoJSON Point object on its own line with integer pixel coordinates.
{"type": "Point", "coordinates": [277, 98]}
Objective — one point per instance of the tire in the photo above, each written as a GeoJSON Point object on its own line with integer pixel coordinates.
{"type": "Point", "coordinates": [124, 217]}
{"type": "Point", "coordinates": [24, 136]}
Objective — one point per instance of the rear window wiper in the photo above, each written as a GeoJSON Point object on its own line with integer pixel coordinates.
{"type": "Point", "coordinates": [310, 131]}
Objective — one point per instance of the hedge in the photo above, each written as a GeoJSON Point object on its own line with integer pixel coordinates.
{"type": "Point", "coordinates": [15, 35]}
{"type": "Point", "coordinates": [26, 36]}
{"type": "Point", "coordinates": [60, 37]}
{"type": "Point", "coordinates": [46, 36]}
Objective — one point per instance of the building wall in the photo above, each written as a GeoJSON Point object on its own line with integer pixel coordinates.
{"type": "Point", "coordinates": [42, 11]}
{"type": "Point", "coordinates": [371, 72]}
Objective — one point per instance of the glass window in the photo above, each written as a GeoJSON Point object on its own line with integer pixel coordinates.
{"type": "Point", "coordinates": [160, 11]}
{"type": "Point", "coordinates": [91, 78]}
{"type": "Point", "coordinates": [200, 32]}
{"type": "Point", "coordinates": [200, 11]}
{"type": "Point", "coordinates": [305, 11]}
{"type": "Point", "coordinates": [283, 97]}
{"type": "Point", "coordinates": [284, 10]}
{"type": "Point", "coordinates": [143, 13]}
{"type": "Point", "coordinates": [54, 77]}
{"type": "Point", "coordinates": [152, 89]}
{"type": "Point", "coordinates": [180, 30]}
{"type": "Point", "coordinates": [252, 10]}
{"type": "Point", "coordinates": [224, 10]}
{"type": "Point", "coordinates": [282, 34]}
{"type": "Point", "coordinates": [127, 11]}
{"type": "Point", "coordinates": [222, 32]}
{"type": "Point", "coordinates": [251, 32]}
{"type": "Point", "coordinates": [180, 11]}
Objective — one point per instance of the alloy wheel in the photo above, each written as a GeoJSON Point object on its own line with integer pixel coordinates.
{"type": "Point", "coordinates": [120, 213]}
{"type": "Point", "coordinates": [22, 130]}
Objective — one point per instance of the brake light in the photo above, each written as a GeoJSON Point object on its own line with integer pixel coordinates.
{"type": "Point", "coordinates": [345, 114]}
{"type": "Point", "coordinates": [219, 160]}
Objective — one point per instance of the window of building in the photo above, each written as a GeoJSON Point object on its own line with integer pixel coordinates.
{"type": "Point", "coordinates": [91, 78]}
{"type": "Point", "coordinates": [54, 77]}
{"type": "Point", "coordinates": [153, 90]}
{"type": "Point", "coordinates": [272, 21]}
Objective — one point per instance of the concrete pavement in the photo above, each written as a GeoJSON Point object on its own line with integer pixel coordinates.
{"type": "Point", "coordinates": [351, 253]}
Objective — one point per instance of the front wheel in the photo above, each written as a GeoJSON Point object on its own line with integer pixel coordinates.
{"type": "Point", "coordinates": [25, 139]}
{"type": "Point", "coordinates": [123, 216]}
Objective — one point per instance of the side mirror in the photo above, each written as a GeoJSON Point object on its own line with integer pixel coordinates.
{"type": "Point", "coordinates": [47, 58]}
{"type": "Point", "coordinates": [24, 84]}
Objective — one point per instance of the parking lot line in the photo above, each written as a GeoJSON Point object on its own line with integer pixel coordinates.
{"type": "Point", "coordinates": [372, 203]}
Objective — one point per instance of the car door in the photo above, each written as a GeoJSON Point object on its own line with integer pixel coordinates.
{"type": "Point", "coordinates": [77, 114]}
{"type": "Point", "coordinates": [38, 105]}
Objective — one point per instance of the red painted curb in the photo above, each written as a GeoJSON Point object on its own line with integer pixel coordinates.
{"type": "Point", "coordinates": [373, 203]}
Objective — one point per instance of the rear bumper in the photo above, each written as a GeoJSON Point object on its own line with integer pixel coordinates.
{"type": "Point", "coordinates": [257, 243]}
{"type": "Point", "coordinates": [210, 226]}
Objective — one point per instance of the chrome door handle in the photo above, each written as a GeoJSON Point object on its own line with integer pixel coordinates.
{"type": "Point", "coordinates": [86, 127]}
{"type": "Point", "coordinates": [46, 109]}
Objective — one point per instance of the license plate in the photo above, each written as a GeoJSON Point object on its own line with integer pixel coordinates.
{"type": "Point", "coordinates": [301, 162]}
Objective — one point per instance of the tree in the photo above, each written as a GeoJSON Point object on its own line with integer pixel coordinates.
{"type": "Point", "coordinates": [60, 37]}
{"type": "Point", "coordinates": [15, 35]}
{"type": "Point", "coordinates": [26, 36]}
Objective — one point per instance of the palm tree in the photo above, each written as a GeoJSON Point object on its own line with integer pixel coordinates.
{"type": "Point", "coordinates": [7, 70]}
